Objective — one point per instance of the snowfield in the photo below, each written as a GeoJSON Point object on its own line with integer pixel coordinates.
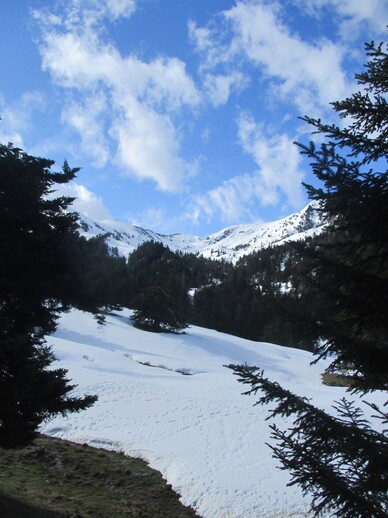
{"type": "Point", "coordinates": [169, 400]}
{"type": "Point", "coordinates": [230, 243]}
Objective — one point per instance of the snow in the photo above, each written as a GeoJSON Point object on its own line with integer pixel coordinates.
{"type": "Point", "coordinates": [169, 400]}
{"type": "Point", "coordinates": [229, 244]}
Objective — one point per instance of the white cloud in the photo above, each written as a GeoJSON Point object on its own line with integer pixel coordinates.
{"type": "Point", "coordinates": [307, 74]}
{"type": "Point", "coordinates": [167, 84]}
{"type": "Point", "coordinates": [16, 117]}
{"type": "Point", "coordinates": [351, 16]}
{"type": "Point", "coordinates": [278, 177]}
{"type": "Point", "coordinates": [86, 202]}
{"type": "Point", "coordinates": [229, 201]}
{"type": "Point", "coordinates": [84, 14]}
{"type": "Point", "coordinates": [86, 119]}
{"type": "Point", "coordinates": [116, 8]}
{"type": "Point", "coordinates": [207, 42]}
{"type": "Point", "coordinates": [123, 104]}
{"type": "Point", "coordinates": [157, 219]}
{"type": "Point", "coordinates": [219, 87]}
{"type": "Point", "coordinates": [278, 160]}
{"type": "Point", "coordinates": [148, 146]}
{"type": "Point", "coordinates": [202, 37]}
{"type": "Point", "coordinates": [152, 218]}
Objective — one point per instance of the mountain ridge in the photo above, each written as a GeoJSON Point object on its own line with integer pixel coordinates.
{"type": "Point", "coordinates": [229, 244]}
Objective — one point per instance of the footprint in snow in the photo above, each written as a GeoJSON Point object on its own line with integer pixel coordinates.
{"type": "Point", "coordinates": [88, 358]}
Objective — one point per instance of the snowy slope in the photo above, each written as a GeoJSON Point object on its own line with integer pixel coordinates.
{"type": "Point", "coordinates": [230, 243]}
{"type": "Point", "coordinates": [170, 400]}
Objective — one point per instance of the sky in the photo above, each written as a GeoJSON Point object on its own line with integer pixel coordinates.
{"type": "Point", "coordinates": [181, 114]}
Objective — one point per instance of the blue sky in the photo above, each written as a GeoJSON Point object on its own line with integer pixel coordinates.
{"type": "Point", "coordinates": [181, 113]}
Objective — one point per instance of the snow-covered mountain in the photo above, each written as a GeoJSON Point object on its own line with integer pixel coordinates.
{"type": "Point", "coordinates": [230, 244]}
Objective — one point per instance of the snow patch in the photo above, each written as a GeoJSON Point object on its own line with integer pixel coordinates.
{"type": "Point", "coordinates": [205, 438]}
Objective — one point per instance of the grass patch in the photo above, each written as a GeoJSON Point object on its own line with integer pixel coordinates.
{"type": "Point", "coordinates": [55, 478]}
{"type": "Point", "coordinates": [336, 380]}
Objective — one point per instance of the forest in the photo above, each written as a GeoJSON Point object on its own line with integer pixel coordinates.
{"type": "Point", "coordinates": [261, 298]}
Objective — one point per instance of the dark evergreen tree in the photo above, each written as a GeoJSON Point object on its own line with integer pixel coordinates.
{"type": "Point", "coordinates": [157, 286]}
{"type": "Point", "coordinates": [343, 460]}
{"type": "Point", "coordinates": [100, 274]}
{"type": "Point", "coordinates": [157, 311]}
{"type": "Point", "coordinates": [35, 285]}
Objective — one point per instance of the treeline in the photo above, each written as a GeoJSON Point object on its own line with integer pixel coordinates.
{"type": "Point", "coordinates": [258, 300]}
{"type": "Point", "coordinates": [262, 297]}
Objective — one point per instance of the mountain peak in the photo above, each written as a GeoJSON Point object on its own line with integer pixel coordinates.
{"type": "Point", "coordinates": [229, 244]}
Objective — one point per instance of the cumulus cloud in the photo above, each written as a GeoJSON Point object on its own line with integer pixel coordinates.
{"type": "Point", "coordinates": [130, 112]}
{"type": "Point", "coordinates": [87, 119]}
{"type": "Point", "coordinates": [86, 202]}
{"type": "Point", "coordinates": [127, 110]}
{"type": "Point", "coordinates": [278, 177]}
{"type": "Point", "coordinates": [16, 117]}
{"type": "Point", "coordinates": [219, 87]}
{"type": "Point", "coordinates": [148, 145]}
{"type": "Point", "coordinates": [278, 161]}
{"type": "Point", "coordinates": [84, 14]}
{"type": "Point", "coordinates": [307, 75]}
{"type": "Point", "coordinates": [351, 16]}
{"type": "Point", "coordinates": [253, 39]}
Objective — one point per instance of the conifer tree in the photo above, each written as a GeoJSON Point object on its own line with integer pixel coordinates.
{"type": "Point", "coordinates": [157, 311]}
{"type": "Point", "coordinates": [158, 288]}
{"type": "Point", "coordinates": [35, 286]}
{"type": "Point", "coordinates": [342, 460]}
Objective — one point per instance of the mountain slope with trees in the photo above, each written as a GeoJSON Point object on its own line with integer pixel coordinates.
{"type": "Point", "coordinates": [229, 244]}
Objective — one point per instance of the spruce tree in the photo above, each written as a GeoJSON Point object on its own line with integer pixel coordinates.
{"type": "Point", "coordinates": [157, 311]}
{"type": "Point", "coordinates": [157, 286]}
{"type": "Point", "coordinates": [35, 286]}
{"type": "Point", "coordinates": [342, 460]}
